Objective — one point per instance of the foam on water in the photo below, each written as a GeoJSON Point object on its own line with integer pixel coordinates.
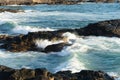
{"type": "Point", "coordinates": [96, 53]}
{"type": "Point", "coordinates": [26, 29]}
{"type": "Point", "coordinates": [69, 38]}
{"type": "Point", "coordinates": [75, 61]}
{"type": "Point", "coordinates": [116, 75]}
{"type": "Point", "coordinates": [73, 64]}
{"type": "Point", "coordinates": [57, 15]}
{"type": "Point", "coordinates": [102, 43]}
{"type": "Point", "coordinates": [69, 35]}
{"type": "Point", "coordinates": [44, 43]}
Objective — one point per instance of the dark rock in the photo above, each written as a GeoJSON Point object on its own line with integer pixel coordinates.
{"type": "Point", "coordinates": [22, 74]}
{"type": "Point", "coordinates": [7, 73]}
{"type": "Point", "coordinates": [55, 47]}
{"type": "Point", "coordinates": [65, 75]}
{"type": "Point", "coordinates": [27, 42]}
{"type": "Point", "coordinates": [110, 28]}
{"type": "Point", "coordinates": [93, 75]}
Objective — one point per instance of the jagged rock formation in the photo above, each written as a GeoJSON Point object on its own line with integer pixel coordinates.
{"type": "Point", "coordinates": [27, 42]}
{"type": "Point", "coordinates": [110, 28]}
{"type": "Point", "coordinates": [7, 73]}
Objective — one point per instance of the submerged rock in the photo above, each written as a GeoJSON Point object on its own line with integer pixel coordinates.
{"type": "Point", "coordinates": [7, 73]}
{"type": "Point", "coordinates": [10, 10]}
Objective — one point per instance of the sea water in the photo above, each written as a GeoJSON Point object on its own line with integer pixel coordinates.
{"type": "Point", "coordinates": [93, 53]}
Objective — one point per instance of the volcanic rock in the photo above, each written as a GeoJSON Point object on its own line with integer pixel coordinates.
{"type": "Point", "coordinates": [55, 47]}
{"type": "Point", "coordinates": [7, 73]}
{"type": "Point", "coordinates": [109, 28]}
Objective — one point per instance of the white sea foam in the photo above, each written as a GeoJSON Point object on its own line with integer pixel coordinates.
{"type": "Point", "coordinates": [44, 43]}
{"type": "Point", "coordinates": [26, 29]}
{"type": "Point", "coordinates": [73, 64]}
{"type": "Point", "coordinates": [116, 75]}
{"type": "Point", "coordinates": [102, 43]}
{"type": "Point", "coordinates": [83, 45]}
{"type": "Point", "coordinates": [69, 35]}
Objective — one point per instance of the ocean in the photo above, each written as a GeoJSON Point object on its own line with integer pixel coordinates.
{"type": "Point", "coordinates": [90, 53]}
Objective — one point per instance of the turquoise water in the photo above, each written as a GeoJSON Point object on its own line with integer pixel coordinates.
{"type": "Point", "coordinates": [96, 53]}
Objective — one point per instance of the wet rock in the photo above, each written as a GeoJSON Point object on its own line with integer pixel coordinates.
{"type": "Point", "coordinates": [3, 38]}
{"type": "Point", "coordinates": [7, 73]}
{"type": "Point", "coordinates": [22, 74]}
{"type": "Point", "coordinates": [93, 75]}
{"type": "Point", "coordinates": [110, 28]}
{"type": "Point", "coordinates": [55, 47]}
{"type": "Point", "coordinates": [27, 42]}
{"type": "Point", "coordinates": [65, 75]}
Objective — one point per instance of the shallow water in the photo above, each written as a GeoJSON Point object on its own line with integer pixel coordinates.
{"type": "Point", "coordinates": [95, 53]}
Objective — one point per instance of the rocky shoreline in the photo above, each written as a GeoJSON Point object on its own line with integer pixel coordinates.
{"type": "Point", "coordinates": [7, 73]}
{"type": "Point", "coordinates": [26, 42]}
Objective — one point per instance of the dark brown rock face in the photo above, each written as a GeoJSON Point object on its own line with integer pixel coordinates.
{"type": "Point", "coordinates": [110, 28]}
{"type": "Point", "coordinates": [55, 47]}
{"type": "Point", "coordinates": [7, 73]}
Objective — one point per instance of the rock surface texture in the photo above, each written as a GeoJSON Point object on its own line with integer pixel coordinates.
{"type": "Point", "coordinates": [7, 73]}
{"type": "Point", "coordinates": [26, 42]}
{"type": "Point", "coordinates": [110, 28]}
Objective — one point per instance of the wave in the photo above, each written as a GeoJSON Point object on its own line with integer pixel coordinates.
{"type": "Point", "coordinates": [85, 53]}
{"type": "Point", "coordinates": [26, 29]}
{"type": "Point", "coordinates": [44, 43]}
{"type": "Point", "coordinates": [6, 27]}
{"type": "Point", "coordinates": [116, 75]}
{"type": "Point", "coordinates": [72, 64]}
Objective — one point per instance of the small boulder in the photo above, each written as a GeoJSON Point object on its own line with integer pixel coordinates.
{"type": "Point", "coordinates": [55, 47]}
